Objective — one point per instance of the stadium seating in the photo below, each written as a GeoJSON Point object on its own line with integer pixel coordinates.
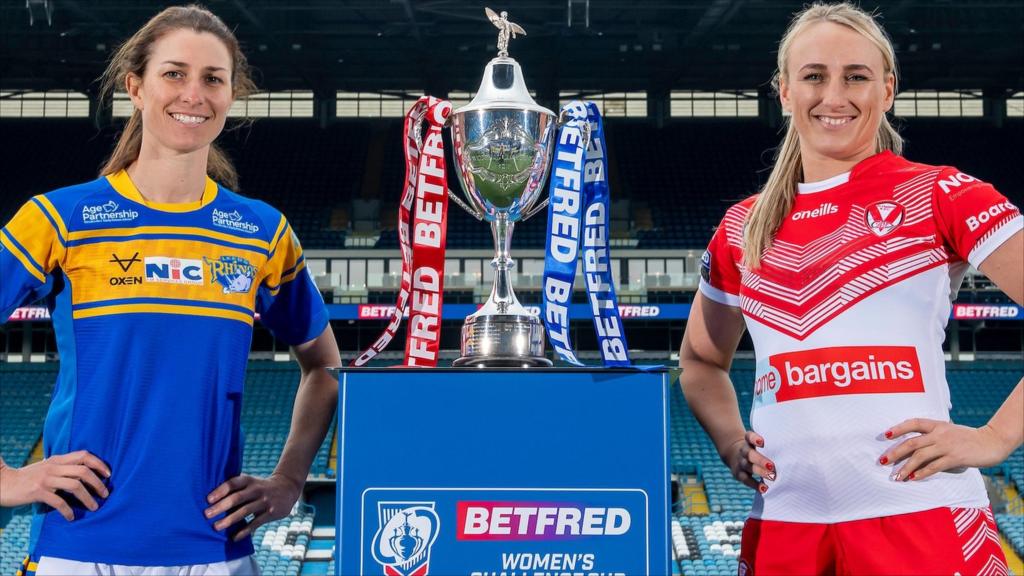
{"type": "Point", "coordinates": [267, 415]}
{"type": "Point", "coordinates": [24, 398]}
{"type": "Point", "coordinates": [701, 544]}
{"type": "Point", "coordinates": [281, 546]}
{"type": "Point", "coordinates": [1012, 528]}
{"type": "Point", "coordinates": [680, 177]}
{"type": "Point", "coordinates": [707, 545]}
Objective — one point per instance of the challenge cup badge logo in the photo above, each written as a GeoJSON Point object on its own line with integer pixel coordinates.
{"type": "Point", "coordinates": [405, 535]}
{"type": "Point", "coordinates": [883, 217]}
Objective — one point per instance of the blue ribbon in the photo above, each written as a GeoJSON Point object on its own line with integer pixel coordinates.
{"type": "Point", "coordinates": [578, 227]}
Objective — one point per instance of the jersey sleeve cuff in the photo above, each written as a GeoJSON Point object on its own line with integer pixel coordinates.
{"type": "Point", "coordinates": [994, 239]}
{"type": "Point", "coordinates": [718, 295]}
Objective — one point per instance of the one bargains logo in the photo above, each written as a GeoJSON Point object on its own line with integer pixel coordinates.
{"type": "Point", "coordinates": [406, 532]}
{"type": "Point", "coordinates": [835, 371]}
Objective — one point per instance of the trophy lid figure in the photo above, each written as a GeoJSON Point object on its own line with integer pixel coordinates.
{"type": "Point", "coordinates": [505, 29]}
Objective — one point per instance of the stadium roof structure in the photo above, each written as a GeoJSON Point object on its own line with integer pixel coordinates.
{"type": "Point", "coordinates": [442, 45]}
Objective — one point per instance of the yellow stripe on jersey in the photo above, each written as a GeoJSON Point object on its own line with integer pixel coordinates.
{"type": "Point", "coordinates": [277, 233]}
{"type": "Point", "coordinates": [61, 227]}
{"type": "Point", "coordinates": [25, 261]}
{"type": "Point", "coordinates": [122, 183]}
{"type": "Point", "coordinates": [162, 309]}
{"type": "Point", "coordinates": [121, 232]}
{"type": "Point", "coordinates": [291, 275]}
{"type": "Point", "coordinates": [31, 228]}
{"type": "Point", "coordinates": [288, 277]}
{"type": "Point", "coordinates": [96, 273]}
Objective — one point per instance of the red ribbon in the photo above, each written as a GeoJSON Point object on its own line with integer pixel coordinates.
{"type": "Point", "coordinates": [422, 243]}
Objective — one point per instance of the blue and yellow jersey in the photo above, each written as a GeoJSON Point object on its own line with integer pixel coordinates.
{"type": "Point", "coordinates": [153, 306]}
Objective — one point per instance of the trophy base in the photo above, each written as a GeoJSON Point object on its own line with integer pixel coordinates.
{"type": "Point", "coordinates": [502, 341]}
{"type": "Point", "coordinates": [500, 362]}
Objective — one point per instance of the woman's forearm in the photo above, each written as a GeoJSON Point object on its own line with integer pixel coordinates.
{"type": "Point", "coordinates": [710, 394]}
{"type": "Point", "coordinates": [314, 409]}
{"type": "Point", "coordinates": [1008, 422]}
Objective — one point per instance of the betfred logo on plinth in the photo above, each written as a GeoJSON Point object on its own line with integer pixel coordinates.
{"type": "Point", "coordinates": [839, 370]}
{"type": "Point", "coordinates": [537, 520]}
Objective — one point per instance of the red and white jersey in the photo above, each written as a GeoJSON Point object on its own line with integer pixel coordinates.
{"type": "Point", "coordinates": [847, 314]}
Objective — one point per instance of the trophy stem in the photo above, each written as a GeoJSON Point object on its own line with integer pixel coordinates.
{"type": "Point", "coordinates": [502, 295]}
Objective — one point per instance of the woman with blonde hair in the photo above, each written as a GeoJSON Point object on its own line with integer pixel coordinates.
{"type": "Point", "coordinates": [154, 273]}
{"type": "Point", "coordinates": [843, 269]}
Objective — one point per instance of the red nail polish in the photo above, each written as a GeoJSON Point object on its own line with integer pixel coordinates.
{"type": "Point", "coordinates": [770, 466]}
{"type": "Point", "coordinates": [760, 443]}
{"type": "Point", "coordinates": [888, 433]}
{"type": "Point", "coordinates": [883, 460]}
{"type": "Point", "coordinates": [762, 488]}
{"type": "Point", "coordinates": [911, 477]}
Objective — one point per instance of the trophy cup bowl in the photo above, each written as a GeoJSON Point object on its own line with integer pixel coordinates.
{"type": "Point", "coordinates": [502, 149]}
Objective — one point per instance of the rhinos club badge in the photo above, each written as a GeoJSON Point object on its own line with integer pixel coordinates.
{"type": "Point", "coordinates": [234, 274]}
{"type": "Point", "coordinates": [406, 532]}
{"type": "Point", "coordinates": [883, 217]}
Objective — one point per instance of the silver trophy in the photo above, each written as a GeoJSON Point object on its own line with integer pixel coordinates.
{"type": "Point", "coordinates": [502, 146]}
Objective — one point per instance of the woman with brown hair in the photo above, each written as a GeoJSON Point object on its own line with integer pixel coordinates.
{"type": "Point", "coordinates": [843, 270]}
{"type": "Point", "coordinates": [154, 273]}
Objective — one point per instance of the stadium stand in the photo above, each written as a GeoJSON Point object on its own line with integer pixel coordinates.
{"type": "Point", "coordinates": [681, 177]}
{"type": "Point", "coordinates": [267, 415]}
{"type": "Point", "coordinates": [24, 398]}
{"type": "Point", "coordinates": [703, 542]}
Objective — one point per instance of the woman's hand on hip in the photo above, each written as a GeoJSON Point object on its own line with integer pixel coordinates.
{"type": "Point", "coordinates": [938, 446]}
{"type": "Point", "coordinates": [747, 464]}
{"type": "Point", "coordinates": [76, 473]}
{"type": "Point", "coordinates": [252, 501]}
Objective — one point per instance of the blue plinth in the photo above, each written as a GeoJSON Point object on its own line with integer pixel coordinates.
{"type": "Point", "coordinates": [486, 472]}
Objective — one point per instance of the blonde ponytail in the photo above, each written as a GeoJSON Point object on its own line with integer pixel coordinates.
{"type": "Point", "coordinates": [779, 193]}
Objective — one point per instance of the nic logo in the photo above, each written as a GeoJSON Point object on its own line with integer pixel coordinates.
{"type": "Point", "coordinates": [233, 221]}
{"type": "Point", "coordinates": [107, 213]}
{"type": "Point", "coordinates": [174, 270]}
{"type": "Point", "coordinates": [407, 531]}
{"type": "Point", "coordinates": [234, 274]}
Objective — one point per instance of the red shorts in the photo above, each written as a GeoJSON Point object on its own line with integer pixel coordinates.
{"type": "Point", "coordinates": [940, 541]}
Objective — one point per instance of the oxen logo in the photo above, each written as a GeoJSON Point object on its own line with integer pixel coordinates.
{"type": "Point", "coordinates": [406, 532]}
{"type": "Point", "coordinates": [883, 217]}
{"type": "Point", "coordinates": [234, 274]}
